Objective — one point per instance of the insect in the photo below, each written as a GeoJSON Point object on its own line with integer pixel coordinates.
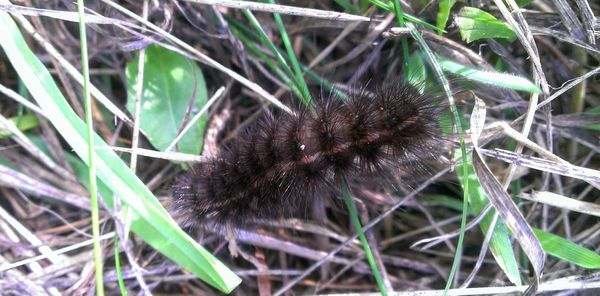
{"type": "Point", "coordinates": [282, 162]}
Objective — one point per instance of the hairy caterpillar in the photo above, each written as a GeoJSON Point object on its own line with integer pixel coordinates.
{"type": "Point", "coordinates": [278, 165]}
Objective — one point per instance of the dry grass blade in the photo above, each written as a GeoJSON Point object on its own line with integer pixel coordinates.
{"type": "Point", "coordinates": [264, 241]}
{"type": "Point", "coordinates": [509, 131]}
{"type": "Point", "coordinates": [520, 26]}
{"type": "Point", "coordinates": [33, 241]}
{"type": "Point", "coordinates": [30, 237]}
{"type": "Point", "coordinates": [16, 282]}
{"type": "Point", "coordinates": [285, 9]}
{"type": "Point", "coordinates": [588, 20]}
{"type": "Point", "coordinates": [561, 168]}
{"type": "Point", "coordinates": [175, 156]}
{"type": "Point", "coordinates": [14, 179]}
{"type": "Point", "coordinates": [70, 248]}
{"type": "Point", "coordinates": [570, 19]}
{"type": "Point", "coordinates": [28, 145]}
{"type": "Point", "coordinates": [563, 202]}
{"type": "Point", "coordinates": [61, 15]}
{"type": "Point", "coordinates": [568, 86]}
{"type": "Point", "coordinates": [19, 99]}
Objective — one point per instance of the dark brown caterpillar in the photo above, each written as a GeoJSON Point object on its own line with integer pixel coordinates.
{"type": "Point", "coordinates": [281, 162]}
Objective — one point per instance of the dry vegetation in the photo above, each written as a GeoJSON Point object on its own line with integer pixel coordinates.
{"type": "Point", "coordinates": [44, 205]}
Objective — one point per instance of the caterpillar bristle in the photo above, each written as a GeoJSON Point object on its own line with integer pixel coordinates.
{"type": "Point", "coordinates": [282, 162]}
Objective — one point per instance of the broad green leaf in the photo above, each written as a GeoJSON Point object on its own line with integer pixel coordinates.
{"type": "Point", "coordinates": [566, 250]}
{"type": "Point", "coordinates": [170, 82]}
{"type": "Point", "coordinates": [443, 13]}
{"type": "Point", "coordinates": [23, 123]}
{"type": "Point", "coordinates": [493, 78]}
{"type": "Point", "coordinates": [150, 220]}
{"type": "Point", "coordinates": [475, 24]}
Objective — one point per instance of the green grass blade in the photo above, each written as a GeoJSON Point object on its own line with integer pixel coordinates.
{"type": "Point", "coordinates": [497, 79]}
{"type": "Point", "coordinates": [361, 234]}
{"type": "Point", "coordinates": [278, 56]}
{"type": "Point", "coordinates": [118, 268]}
{"type": "Point", "coordinates": [390, 7]}
{"type": "Point", "coordinates": [459, 245]}
{"type": "Point", "coordinates": [244, 35]}
{"type": "Point", "coordinates": [440, 200]}
{"type": "Point", "coordinates": [150, 220]}
{"type": "Point", "coordinates": [400, 18]}
{"type": "Point", "coordinates": [567, 250]}
{"type": "Point", "coordinates": [93, 185]}
{"type": "Point", "coordinates": [239, 33]}
{"type": "Point", "coordinates": [299, 77]}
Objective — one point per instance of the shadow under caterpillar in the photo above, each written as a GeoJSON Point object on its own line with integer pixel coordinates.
{"type": "Point", "coordinates": [280, 163]}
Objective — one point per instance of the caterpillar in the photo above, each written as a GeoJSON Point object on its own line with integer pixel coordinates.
{"type": "Point", "coordinates": [279, 164]}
